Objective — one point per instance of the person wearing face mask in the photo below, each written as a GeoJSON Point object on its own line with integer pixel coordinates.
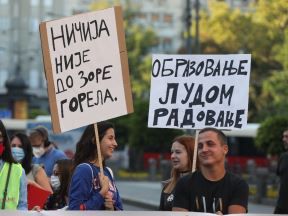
{"type": "Point", "coordinates": [89, 188]}
{"type": "Point", "coordinates": [182, 151]}
{"type": "Point", "coordinates": [13, 187]}
{"type": "Point", "coordinates": [22, 152]}
{"type": "Point", "coordinates": [60, 180]}
{"type": "Point", "coordinates": [44, 151]}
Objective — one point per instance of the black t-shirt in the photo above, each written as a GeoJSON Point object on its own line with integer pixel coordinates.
{"type": "Point", "coordinates": [166, 201]}
{"type": "Point", "coordinates": [195, 193]}
{"type": "Point", "coordinates": [282, 171]}
{"type": "Point", "coordinates": [55, 202]}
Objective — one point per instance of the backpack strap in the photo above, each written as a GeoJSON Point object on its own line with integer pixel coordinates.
{"type": "Point", "coordinates": [110, 171]}
{"type": "Point", "coordinates": [92, 175]}
{"type": "Point", "coordinates": [6, 186]}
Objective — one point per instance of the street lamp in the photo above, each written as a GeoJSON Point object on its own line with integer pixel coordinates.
{"type": "Point", "coordinates": [188, 22]}
{"type": "Point", "coordinates": [17, 98]}
{"type": "Point", "coordinates": [197, 17]}
{"type": "Point", "coordinates": [188, 26]}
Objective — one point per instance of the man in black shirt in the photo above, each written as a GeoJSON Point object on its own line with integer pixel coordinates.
{"type": "Point", "coordinates": [282, 172]}
{"type": "Point", "coordinates": [212, 188]}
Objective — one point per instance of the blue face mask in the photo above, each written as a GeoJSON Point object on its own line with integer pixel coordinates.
{"type": "Point", "coordinates": [18, 153]}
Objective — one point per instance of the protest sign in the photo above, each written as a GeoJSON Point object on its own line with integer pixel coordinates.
{"type": "Point", "coordinates": [197, 91]}
{"type": "Point", "coordinates": [86, 68]}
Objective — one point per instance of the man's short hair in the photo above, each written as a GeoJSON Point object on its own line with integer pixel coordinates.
{"type": "Point", "coordinates": [221, 136]}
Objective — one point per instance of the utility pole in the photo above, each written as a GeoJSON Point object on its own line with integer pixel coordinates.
{"type": "Point", "coordinates": [197, 43]}
{"type": "Point", "coordinates": [188, 27]}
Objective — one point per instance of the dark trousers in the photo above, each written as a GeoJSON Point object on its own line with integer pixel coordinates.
{"type": "Point", "coordinates": [280, 211]}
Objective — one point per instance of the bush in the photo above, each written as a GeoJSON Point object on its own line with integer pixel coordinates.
{"type": "Point", "coordinates": [269, 135]}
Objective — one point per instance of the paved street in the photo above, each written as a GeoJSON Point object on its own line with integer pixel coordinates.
{"type": "Point", "coordinates": [145, 195]}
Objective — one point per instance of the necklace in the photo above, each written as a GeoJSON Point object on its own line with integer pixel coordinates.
{"type": "Point", "coordinates": [183, 173]}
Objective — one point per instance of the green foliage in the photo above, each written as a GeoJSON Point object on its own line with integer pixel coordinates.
{"type": "Point", "coordinates": [141, 85]}
{"type": "Point", "coordinates": [33, 113]}
{"type": "Point", "coordinates": [102, 4]}
{"type": "Point", "coordinates": [225, 29]}
{"type": "Point", "coordinates": [261, 31]}
{"type": "Point", "coordinates": [142, 137]}
{"type": "Point", "coordinates": [272, 18]}
{"type": "Point", "coordinates": [269, 135]}
{"type": "Point", "coordinates": [281, 51]}
{"type": "Point", "coordinates": [273, 97]}
{"type": "Point", "coordinates": [139, 41]}
{"type": "Point", "coordinates": [133, 130]}
{"type": "Point", "coordinates": [222, 27]}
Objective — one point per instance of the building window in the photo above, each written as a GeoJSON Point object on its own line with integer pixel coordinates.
{"type": "Point", "coordinates": [155, 17]}
{"type": "Point", "coordinates": [3, 56]}
{"type": "Point", "coordinates": [3, 2]}
{"type": "Point", "coordinates": [168, 18]}
{"type": "Point", "coordinates": [162, 2]}
{"type": "Point", "coordinates": [34, 2]}
{"type": "Point", "coordinates": [3, 77]}
{"type": "Point", "coordinates": [34, 79]}
{"type": "Point", "coordinates": [34, 25]}
{"type": "Point", "coordinates": [142, 16]}
{"type": "Point", "coordinates": [167, 44]}
{"type": "Point", "coordinates": [4, 24]}
{"type": "Point", "coordinates": [48, 3]}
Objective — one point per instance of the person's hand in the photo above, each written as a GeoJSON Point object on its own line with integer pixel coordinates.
{"type": "Point", "coordinates": [104, 183]}
{"type": "Point", "coordinates": [31, 182]}
{"type": "Point", "coordinates": [36, 208]}
{"type": "Point", "coordinates": [109, 203]}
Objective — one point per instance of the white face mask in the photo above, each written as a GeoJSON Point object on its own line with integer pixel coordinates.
{"type": "Point", "coordinates": [38, 151]}
{"type": "Point", "coordinates": [55, 182]}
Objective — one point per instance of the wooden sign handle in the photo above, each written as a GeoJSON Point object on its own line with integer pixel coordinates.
{"type": "Point", "coordinates": [195, 152]}
{"type": "Point", "coordinates": [98, 149]}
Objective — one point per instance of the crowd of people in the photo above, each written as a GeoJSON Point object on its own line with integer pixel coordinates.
{"type": "Point", "coordinates": [86, 183]}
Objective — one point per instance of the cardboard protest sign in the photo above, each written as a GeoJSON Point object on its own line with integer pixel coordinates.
{"type": "Point", "coordinates": [86, 68]}
{"type": "Point", "coordinates": [197, 91]}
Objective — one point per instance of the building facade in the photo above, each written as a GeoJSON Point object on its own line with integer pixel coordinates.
{"type": "Point", "coordinates": [20, 50]}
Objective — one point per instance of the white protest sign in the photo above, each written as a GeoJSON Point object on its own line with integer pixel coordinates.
{"type": "Point", "coordinates": [86, 68]}
{"type": "Point", "coordinates": [197, 91]}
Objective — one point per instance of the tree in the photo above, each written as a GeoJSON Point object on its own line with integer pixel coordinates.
{"type": "Point", "coordinates": [273, 99]}
{"type": "Point", "coordinates": [261, 31]}
{"type": "Point", "coordinates": [269, 135]}
{"type": "Point", "coordinates": [139, 42]}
